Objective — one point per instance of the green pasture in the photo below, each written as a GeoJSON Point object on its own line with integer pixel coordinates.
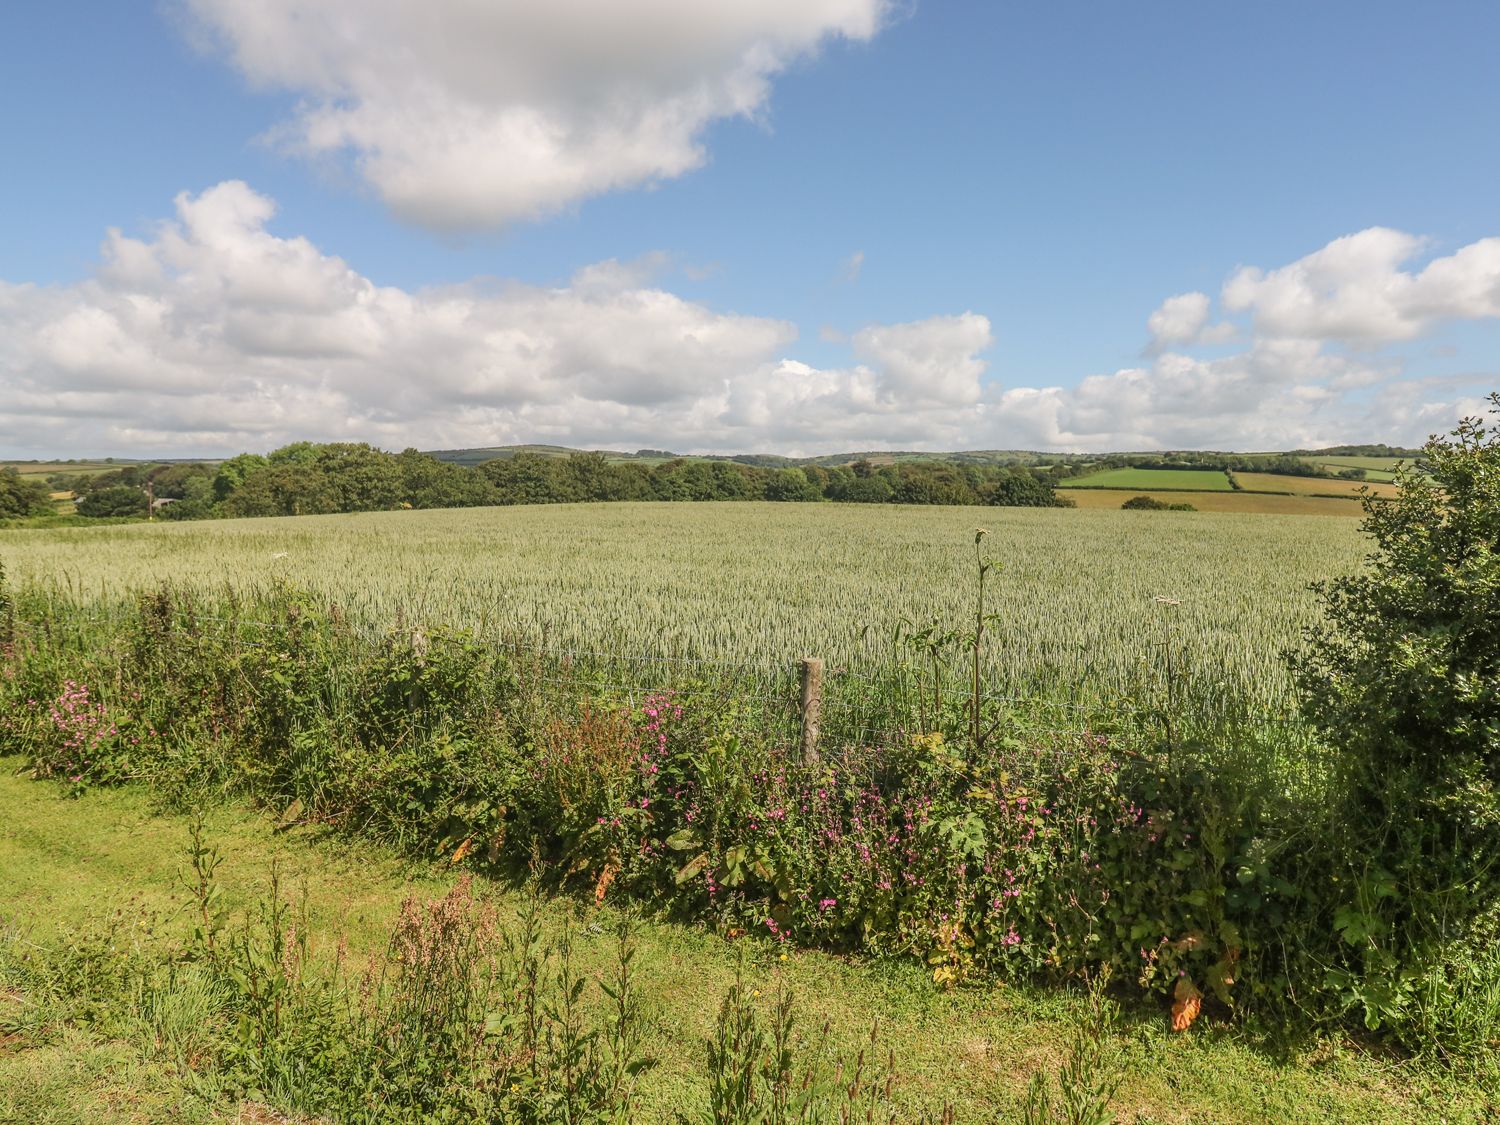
{"type": "Point", "coordinates": [1169, 480]}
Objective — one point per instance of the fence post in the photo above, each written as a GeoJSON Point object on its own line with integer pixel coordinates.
{"type": "Point", "coordinates": [812, 707]}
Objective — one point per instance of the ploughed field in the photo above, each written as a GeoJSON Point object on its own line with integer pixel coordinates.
{"type": "Point", "coordinates": [762, 584]}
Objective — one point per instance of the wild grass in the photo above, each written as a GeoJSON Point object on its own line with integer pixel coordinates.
{"type": "Point", "coordinates": [110, 866]}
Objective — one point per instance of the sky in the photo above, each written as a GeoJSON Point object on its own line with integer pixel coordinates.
{"type": "Point", "coordinates": [791, 226]}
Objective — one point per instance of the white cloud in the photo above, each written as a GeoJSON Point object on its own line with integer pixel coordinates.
{"type": "Point", "coordinates": [1278, 394]}
{"type": "Point", "coordinates": [466, 115]}
{"type": "Point", "coordinates": [1183, 319]}
{"type": "Point", "coordinates": [853, 265]}
{"type": "Point", "coordinates": [211, 335]}
{"type": "Point", "coordinates": [928, 361]}
{"type": "Point", "coordinates": [1353, 290]}
{"type": "Point", "coordinates": [214, 335]}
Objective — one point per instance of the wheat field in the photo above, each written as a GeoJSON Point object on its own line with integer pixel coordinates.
{"type": "Point", "coordinates": [1076, 592]}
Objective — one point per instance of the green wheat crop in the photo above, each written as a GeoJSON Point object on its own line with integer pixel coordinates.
{"type": "Point", "coordinates": [762, 584]}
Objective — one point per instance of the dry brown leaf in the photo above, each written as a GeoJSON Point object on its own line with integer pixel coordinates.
{"type": "Point", "coordinates": [463, 851]}
{"type": "Point", "coordinates": [606, 877]}
{"type": "Point", "coordinates": [1187, 1005]}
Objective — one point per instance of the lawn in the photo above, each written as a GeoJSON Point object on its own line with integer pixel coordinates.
{"type": "Point", "coordinates": [70, 865]}
{"type": "Point", "coordinates": [1171, 480]}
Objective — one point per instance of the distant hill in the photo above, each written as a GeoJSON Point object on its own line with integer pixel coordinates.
{"type": "Point", "coordinates": [482, 454]}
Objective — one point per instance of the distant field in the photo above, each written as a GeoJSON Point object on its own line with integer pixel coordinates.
{"type": "Point", "coordinates": [1172, 480]}
{"type": "Point", "coordinates": [1377, 468]}
{"type": "Point", "coordinates": [45, 468]}
{"type": "Point", "coordinates": [1311, 486]}
{"type": "Point", "coordinates": [1244, 503]}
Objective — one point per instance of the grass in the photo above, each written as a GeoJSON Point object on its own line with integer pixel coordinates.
{"type": "Point", "coordinates": [1378, 468]}
{"type": "Point", "coordinates": [1225, 503]}
{"type": "Point", "coordinates": [1175, 480]}
{"type": "Point", "coordinates": [764, 584]}
{"type": "Point", "coordinates": [69, 863]}
{"type": "Point", "coordinates": [1310, 486]}
{"type": "Point", "coordinates": [70, 468]}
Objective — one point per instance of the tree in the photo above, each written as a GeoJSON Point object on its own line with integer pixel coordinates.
{"type": "Point", "coordinates": [791, 485]}
{"type": "Point", "coordinates": [363, 478]}
{"type": "Point", "coordinates": [195, 502]}
{"type": "Point", "coordinates": [20, 496]}
{"type": "Point", "coordinates": [233, 473]}
{"type": "Point", "coordinates": [283, 490]}
{"type": "Point", "coordinates": [1152, 504]}
{"type": "Point", "coordinates": [116, 500]}
{"type": "Point", "coordinates": [1018, 488]}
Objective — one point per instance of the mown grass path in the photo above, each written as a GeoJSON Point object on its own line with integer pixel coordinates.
{"type": "Point", "coordinates": [66, 865]}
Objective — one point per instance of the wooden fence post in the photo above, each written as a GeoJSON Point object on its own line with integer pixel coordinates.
{"type": "Point", "coordinates": [812, 707]}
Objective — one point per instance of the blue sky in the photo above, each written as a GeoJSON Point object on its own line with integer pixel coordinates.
{"type": "Point", "coordinates": [1021, 187]}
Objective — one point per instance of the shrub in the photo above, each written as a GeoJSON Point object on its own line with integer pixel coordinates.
{"type": "Point", "coordinates": [1401, 681]}
{"type": "Point", "coordinates": [1152, 504]}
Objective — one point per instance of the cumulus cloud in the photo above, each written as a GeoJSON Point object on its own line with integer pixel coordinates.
{"type": "Point", "coordinates": [212, 334]}
{"type": "Point", "coordinates": [928, 361]}
{"type": "Point", "coordinates": [467, 115]}
{"type": "Point", "coordinates": [1354, 289]}
{"type": "Point", "coordinates": [1278, 394]}
{"type": "Point", "coordinates": [1183, 319]}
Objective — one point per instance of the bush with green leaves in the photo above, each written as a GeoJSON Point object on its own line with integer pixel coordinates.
{"type": "Point", "coordinates": [1152, 504]}
{"type": "Point", "coordinates": [1403, 682]}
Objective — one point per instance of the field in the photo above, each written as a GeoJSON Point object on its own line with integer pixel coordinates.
{"type": "Point", "coordinates": [764, 584]}
{"type": "Point", "coordinates": [1310, 486]}
{"type": "Point", "coordinates": [1377, 468]}
{"type": "Point", "coordinates": [1170, 480]}
{"type": "Point", "coordinates": [1241, 503]}
{"type": "Point", "coordinates": [71, 468]}
{"type": "Point", "coordinates": [956, 882]}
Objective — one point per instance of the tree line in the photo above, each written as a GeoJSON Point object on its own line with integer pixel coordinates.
{"type": "Point", "coordinates": [308, 478]}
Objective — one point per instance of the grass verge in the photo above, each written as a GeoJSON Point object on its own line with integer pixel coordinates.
{"type": "Point", "coordinates": [67, 867]}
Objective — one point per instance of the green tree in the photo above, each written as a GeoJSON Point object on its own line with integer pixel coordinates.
{"type": "Point", "coordinates": [1018, 488]}
{"type": "Point", "coordinates": [283, 490]}
{"type": "Point", "coordinates": [233, 473]}
{"type": "Point", "coordinates": [116, 500]}
{"type": "Point", "coordinates": [195, 502]}
{"type": "Point", "coordinates": [792, 485]}
{"type": "Point", "coordinates": [427, 482]}
{"type": "Point", "coordinates": [362, 478]}
{"type": "Point", "coordinates": [22, 496]}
